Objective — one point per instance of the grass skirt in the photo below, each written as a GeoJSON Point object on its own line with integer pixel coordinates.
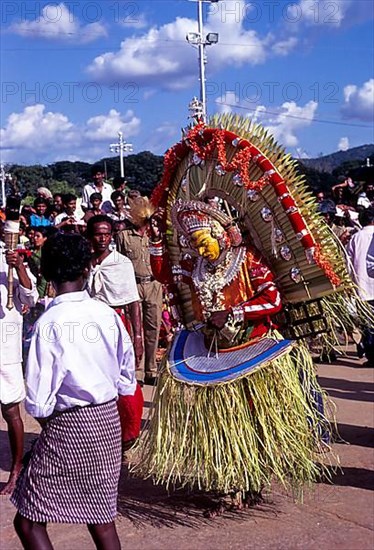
{"type": "Point", "coordinates": [240, 435]}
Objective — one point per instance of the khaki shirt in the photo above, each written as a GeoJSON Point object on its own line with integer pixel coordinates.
{"type": "Point", "coordinates": [132, 244]}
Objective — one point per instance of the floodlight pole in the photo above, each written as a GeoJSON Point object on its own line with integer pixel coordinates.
{"type": "Point", "coordinates": [198, 39]}
{"type": "Point", "coordinates": [122, 166]}
{"type": "Point", "coordinates": [121, 147]}
{"type": "Point", "coordinates": [4, 176]}
{"type": "Point", "coordinates": [202, 58]}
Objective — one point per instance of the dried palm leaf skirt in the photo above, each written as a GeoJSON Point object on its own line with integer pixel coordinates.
{"type": "Point", "coordinates": [239, 435]}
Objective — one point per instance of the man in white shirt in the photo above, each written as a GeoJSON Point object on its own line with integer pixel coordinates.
{"type": "Point", "coordinates": [12, 390]}
{"type": "Point", "coordinates": [68, 219]}
{"type": "Point", "coordinates": [360, 251]}
{"type": "Point", "coordinates": [112, 281]}
{"type": "Point", "coordinates": [98, 186]}
{"type": "Point", "coordinates": [80, 358]}
{"type": "Point", "coordinates": [366, 197]}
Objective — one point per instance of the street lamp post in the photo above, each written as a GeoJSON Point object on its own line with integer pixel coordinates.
{"type": "Point", "coordinates": [4, 176]}
{"type": "Point", "coordinates": [202, 57]}
{"type": "Point", "coordinates": [197, 39]}
{"type": "Point", "coordinates": [121, 148]}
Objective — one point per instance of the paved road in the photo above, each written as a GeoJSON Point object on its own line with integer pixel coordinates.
{"type": "Point", "coordinates": [339, 516]}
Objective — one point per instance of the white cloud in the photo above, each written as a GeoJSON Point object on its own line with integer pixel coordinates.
{"type": "Point", "coordinates": [284, 47]}
{"type": "Point", "coordinates": [227, 102]}
{"type": "Point", "coordinates": [282, 122]}
{"type": "Point", "coordinates": [36, 129]}
{"type": "Point", "coordinates": [104, 127]}
{"type": "Point", "coordinates": [291, 119]}
{"type": "Point", "coordinates": [57, 22]}
{"type": "Point", "coordinates": [36, 135]}
{"type": "Point", "coordinates": [134, 20]}
{"type": "Point", "coordinates": [359, 102]}
{"type": "Point", "coordinates": [162, 56]}
{"type": "Point", "coordinates": [319, 12]}
{"type": "Point", "coordinates": [326, 13]}
{"type": "Point", "coordinates": [343, 144]}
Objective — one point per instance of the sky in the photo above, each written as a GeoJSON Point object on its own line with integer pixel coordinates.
{"type": "Point", "coordinates": [75, 73]}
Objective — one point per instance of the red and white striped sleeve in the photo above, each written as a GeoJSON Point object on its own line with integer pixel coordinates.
{"type": "Point", "coordinates": [265, 302]}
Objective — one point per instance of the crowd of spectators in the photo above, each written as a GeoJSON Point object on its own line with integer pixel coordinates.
{"type": "Point", "coordinates": [102, 213]}
{"type": "Point", "coordinates": [341, 207]}
{"type": "Point", "coordinates": [70, 213]}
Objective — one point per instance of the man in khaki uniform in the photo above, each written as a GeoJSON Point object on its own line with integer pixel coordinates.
{"type": "Point", "coordinates": [133, 242]}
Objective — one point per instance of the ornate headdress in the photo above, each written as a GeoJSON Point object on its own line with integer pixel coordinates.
{"type": "Point", "coordinates": [190, 216]}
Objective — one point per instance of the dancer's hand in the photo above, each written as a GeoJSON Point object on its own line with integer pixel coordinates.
{"type": "Point", "coordinates": [156, 224]}
{"type": "Point", "coordinates": [218, 319]}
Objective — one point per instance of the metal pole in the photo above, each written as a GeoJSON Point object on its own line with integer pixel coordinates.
{"type": "Point", "coordinates": [121, 147]}
{"type": "Point", "coordinates": [3, 201]}
{"type": "Point", "coordinates": [201, 48]}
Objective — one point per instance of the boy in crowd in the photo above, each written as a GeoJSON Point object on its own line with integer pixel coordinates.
{"type": "Point", "coordinates": [12, 390]}
{"type": "Point", "coordinates": [95, 201]}
{"type": "Point", "coordinates": [119, 184]}
{"type": "Point", "coordinates": [98, 185]}
{"type": "Point", "coordinates": [120, 212]}
{"type": "Point", "coordinates": [68, 220]}
{"type": "Point", "coordinates": [40, 219]}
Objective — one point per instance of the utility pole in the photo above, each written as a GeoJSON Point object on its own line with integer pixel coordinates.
{"type": "Point", "coordinates": [202, 57]}
{"type": "Point", "coordinates": [198, 40]}
{"type": "Point", "coordinates": [4, 176]}
{"type": "Point", "coordinates": [121, 148]}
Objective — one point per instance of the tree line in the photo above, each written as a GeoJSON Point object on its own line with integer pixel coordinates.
{"type": "Point", "coordinates": [144, 170]}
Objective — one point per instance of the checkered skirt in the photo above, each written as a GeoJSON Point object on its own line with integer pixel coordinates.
{"type": "Point", "coordinates": [73, 472]}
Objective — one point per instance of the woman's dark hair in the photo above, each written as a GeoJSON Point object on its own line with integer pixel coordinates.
{"type": "Point", "coordinates": [65, 256]}
{"type": "Point", "coordinates": [46, 231]}
{"type": "Point", "coordinates": [100, 218]}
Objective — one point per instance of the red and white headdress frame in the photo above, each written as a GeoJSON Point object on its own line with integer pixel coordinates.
{"type": "Point", "coordinates": [190, 216]}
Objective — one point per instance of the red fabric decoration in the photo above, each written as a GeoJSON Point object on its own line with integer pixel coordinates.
{"type": "Point", "coordinates": [130, 409]}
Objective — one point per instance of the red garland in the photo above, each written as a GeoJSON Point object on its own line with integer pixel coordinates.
{"type": "Point", "coordinates": [171, 160]}
{"type": "Point", "coordinates": [325, 265]}
{"type": "Point", "coordinates": [194, 141]}
{"type": "Point", "coordinates": [240, 162]}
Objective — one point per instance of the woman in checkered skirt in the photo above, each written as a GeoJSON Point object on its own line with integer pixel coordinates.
{"type": "Point", "coordinates": [80, 358]}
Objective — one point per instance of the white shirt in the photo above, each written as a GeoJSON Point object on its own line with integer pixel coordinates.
{"type": "Point", "coordinates": [11, 321]}
{"type": "Point", "coordinates": [113, 281]}
{"type": "Point", "coordinates": [80, 354]}
{"type": "Point", "coordinates": [363, 201]}
{"type": "Point", "coordinates": [360, 250]}
{"type": "Point", "coordinates": [106, 192]}
{"type": "Point", "coordinates": [61, 217]}
{"type": "Point", "coordinates": [120, 216]}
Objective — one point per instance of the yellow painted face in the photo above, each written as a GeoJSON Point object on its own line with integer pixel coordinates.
{"type": "Point", "coordinates": [206, 245]}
